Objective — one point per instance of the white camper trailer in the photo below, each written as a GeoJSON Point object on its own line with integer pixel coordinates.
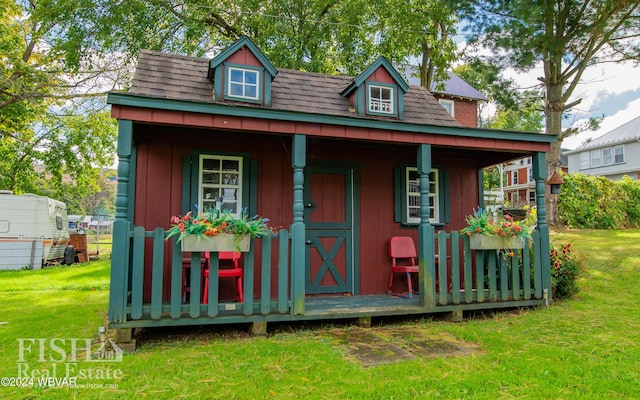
{"type": "Point", "coordinates": [33, 230]}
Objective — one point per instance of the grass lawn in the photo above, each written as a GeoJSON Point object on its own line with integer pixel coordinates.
{"type": "Point", "coordinates": [588, 347]}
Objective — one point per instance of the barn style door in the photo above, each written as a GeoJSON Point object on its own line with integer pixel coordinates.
{"type": "Point", "coordinates": [329, 219]}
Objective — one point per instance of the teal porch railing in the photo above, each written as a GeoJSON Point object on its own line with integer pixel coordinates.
{"type": "Point", "coordinates": [460, 278]}
{"type": "Point", "coordinates": [465, 276]}
{"type": "Point", "coordinates": [134, 298]}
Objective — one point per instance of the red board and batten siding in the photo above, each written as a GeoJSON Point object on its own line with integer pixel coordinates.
{"type": "Point", "coordinates": [160, 151]}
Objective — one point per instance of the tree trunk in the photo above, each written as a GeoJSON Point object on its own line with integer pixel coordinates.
{"type": "Point", "coordinates": [553, 125]}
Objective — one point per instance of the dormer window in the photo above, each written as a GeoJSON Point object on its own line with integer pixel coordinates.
{"type": "Point", "coordinates": [241, 73]}
{"type": "Point", "coordinates": [379, 91]}
{"type": "Point", "coordinates": [381, 99]}
{"type": "Point", "coordinates": [243, 84]}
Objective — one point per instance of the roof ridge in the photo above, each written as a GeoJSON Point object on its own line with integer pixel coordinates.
{"type": "Point", "coordinates": [156, 52]}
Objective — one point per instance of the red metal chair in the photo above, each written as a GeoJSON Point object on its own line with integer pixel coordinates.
{"type": "Point", "coordinates": [404, 259]}
{"type": "Point", "coordinates": [186, 267]}
{"type": "Point", "coordinates": [235, 272]}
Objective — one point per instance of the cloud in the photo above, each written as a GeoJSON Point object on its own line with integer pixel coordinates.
{"type": "Point", "coordinates": [630, 111]}
{"type": "Point", "coordinates": [609, 89]}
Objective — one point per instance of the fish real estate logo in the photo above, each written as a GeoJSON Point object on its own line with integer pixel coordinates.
{"type": "Point", "coordinates": [66, 362]}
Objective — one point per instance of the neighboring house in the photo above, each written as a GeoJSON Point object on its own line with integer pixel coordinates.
{"type": "Point", "coordinates": [458, 97]}
{"type": "Point", "coordinates": [342, 163]}
{"type": "Point", "coordinates": [612, 155]}
{"type": "Point", "coordinates": [520, 186]}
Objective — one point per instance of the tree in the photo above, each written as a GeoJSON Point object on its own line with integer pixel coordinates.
{"type": "Point", "coordinates": [566, 36]}
{"type": "Point", "coordinates": [328, 36]}
{"type": "Point", "coordinates": [42, 131]}
{"type": "Point", "coordinates": [421, 29]}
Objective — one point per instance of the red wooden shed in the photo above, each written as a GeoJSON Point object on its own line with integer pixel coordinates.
{"type": "Point", "coordinates": [341, 164]}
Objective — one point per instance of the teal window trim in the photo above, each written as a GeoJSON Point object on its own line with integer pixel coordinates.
{"type": "Point", "coordinates": [393, 99]}
{"type": "Point", "coordinates": [401, 196]}
{"type": "Point", "coordinates": [191, 179]}
{"type": "Point", "coordinates": [225, 180]}
{"type": "Point", "coordinates": [259, 71]}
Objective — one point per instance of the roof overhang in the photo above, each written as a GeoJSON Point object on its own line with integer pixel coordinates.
{"type": "Point", "coordinates": [129, 100]}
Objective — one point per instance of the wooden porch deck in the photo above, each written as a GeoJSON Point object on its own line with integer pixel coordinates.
{"type": "Point", "coordinates": [512, 282]}
{"type": "Point", "coordinates": [320, 307]}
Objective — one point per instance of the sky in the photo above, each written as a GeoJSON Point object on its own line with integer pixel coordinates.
{"type": "Point", "coordinates": [610, 89]}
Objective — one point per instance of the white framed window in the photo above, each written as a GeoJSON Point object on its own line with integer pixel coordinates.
{"type": "Point", "coordinates": [220, 183]}
{"type": "Point", "coordinates": [607, 156]}
{"type": "Point", "coordinates": [585, 161]}
{"type": "Point", "coordinates": [530, 174]}
{"type": "Point", "coordinates": [380, 99]}
{"type": "Point", "coordinates": [514, 178]}
{"type": "Point", "coordinates": [618, 152]}
{"type": "Point", "coordinates": [243, 83]}
{"type": "Point", "coordinates": [595, 158]}
{"type": "Point", "coordinates": [532, 196]}
{"type": "Point", "coordinates": [413, 196]}
{"type": "Point", "coordinates": [448, 105]}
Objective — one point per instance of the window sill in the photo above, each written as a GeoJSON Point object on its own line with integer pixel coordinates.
{"type": "Point", "coordinates": [436, 225]}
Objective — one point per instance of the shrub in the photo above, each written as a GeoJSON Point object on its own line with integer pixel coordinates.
{"type": "Point", "coordinates": [596, 202]}
{"type": "Point", "coordinates": [566, 269]}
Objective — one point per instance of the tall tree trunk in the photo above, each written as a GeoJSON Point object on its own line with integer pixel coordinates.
{"type": "Point", "coordinates": [426, 67]}
{"type": "Point", "coordinates": [554, 107]}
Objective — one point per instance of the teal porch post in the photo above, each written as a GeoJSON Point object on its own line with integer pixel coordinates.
{"type": "Point", "coordinates": [540, 174]}
{"type": "Point", "coordinates": [298, 234]}
{"type": "Point", "coordinates": [121, 228]}
{"type": "Point", "coordinates": [426, 251]}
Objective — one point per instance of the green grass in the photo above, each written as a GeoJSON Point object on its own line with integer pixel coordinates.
{"type": "Point", "coordinates": [588, 347]}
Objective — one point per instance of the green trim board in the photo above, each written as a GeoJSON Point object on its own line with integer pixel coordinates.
{"type": "Point", "coordinates": [239, 110]}
{"type": "Point", "coordinates": [380, 62]}
{"type": "Point", "coordinates": [133, 167]}
{"type": "Point", "coordinates": [237, 45]}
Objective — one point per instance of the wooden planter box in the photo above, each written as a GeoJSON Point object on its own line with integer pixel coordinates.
{"type": "Point", "coordinates": [219, 242]}
{"type": "Point", "coordinates": [485, 242]}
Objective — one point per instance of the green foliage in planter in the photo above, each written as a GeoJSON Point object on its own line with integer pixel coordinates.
{"type": "Point", "coordinates": [566, 269]}
{"type": "Point", "coordinates": [599, 203]}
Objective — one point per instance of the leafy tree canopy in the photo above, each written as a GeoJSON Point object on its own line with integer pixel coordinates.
{"type": "Point", "coordinates": [566, 36]}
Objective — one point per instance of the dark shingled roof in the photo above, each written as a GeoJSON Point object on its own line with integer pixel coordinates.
{"type": "Point", "coordinates": [170, 76]}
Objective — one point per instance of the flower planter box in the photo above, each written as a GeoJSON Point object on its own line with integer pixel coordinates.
{"type": "Point", "coordinates": [485, 242]}
{"type": "Point", "coordinates": [219, 242]}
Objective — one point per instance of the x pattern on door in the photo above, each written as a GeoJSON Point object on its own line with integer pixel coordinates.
{"type": "Point", "coordinates": [329, 223]}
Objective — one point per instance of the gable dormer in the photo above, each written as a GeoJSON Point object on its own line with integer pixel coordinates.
{"type": "Point", "coordinates": [241, 72]}
{"type": "Point", "coordinates": [379, 91]}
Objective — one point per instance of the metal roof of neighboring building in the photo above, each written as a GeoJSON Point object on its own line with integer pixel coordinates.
{"type": "Point", "coordinates": [454, 85]}
{"type": "Point", "coordinates": [627, 132]}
